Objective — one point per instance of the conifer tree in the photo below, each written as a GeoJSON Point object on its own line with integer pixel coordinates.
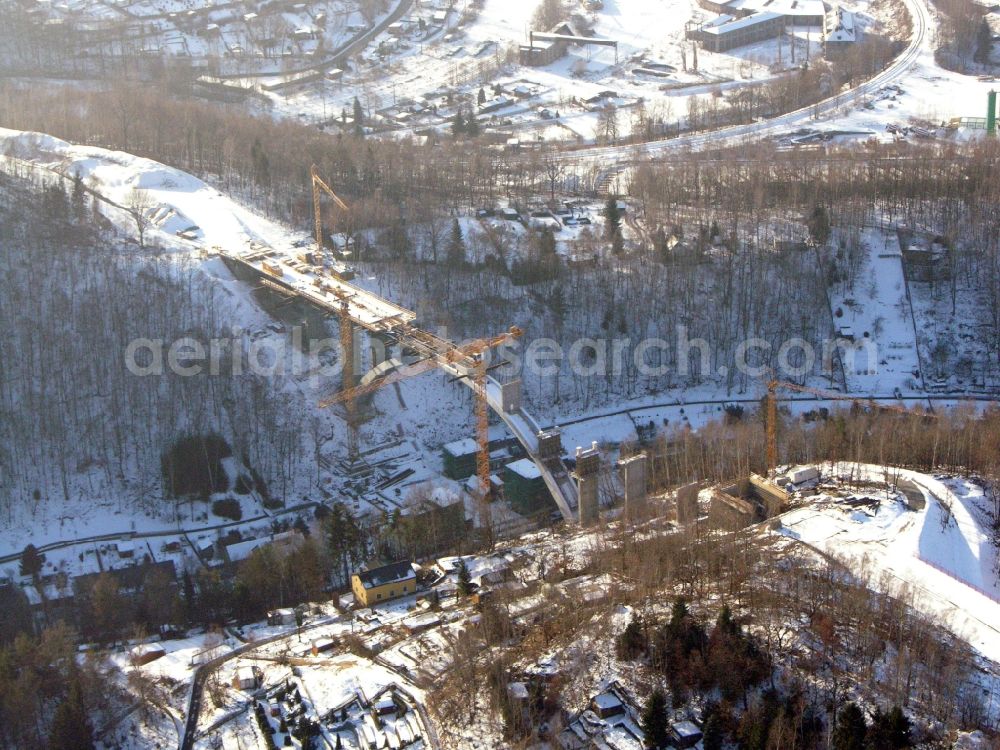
{"type": "Point", "coordinates": [654, 720]}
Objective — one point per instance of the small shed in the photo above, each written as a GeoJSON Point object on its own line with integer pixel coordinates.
{"type": "Point", "coordinates": [144, 653]}
{"type": "Point", "coordinates": [384, 706]}
{"type": "Point", "coordinates": [607, 704]}
{"type": "Point", "coordinates": [281, 617]}
{"type": "Point", "coordinates": [419, 623]}
{"type": "Point", "coordinates": [322, 645]}
{"type": "Point", "coordinates": [245, 679]}
{"type": "Point", "coordinates": [685, 734]}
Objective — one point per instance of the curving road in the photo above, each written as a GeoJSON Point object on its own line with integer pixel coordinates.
{"type": "Point", "coordinates": [737, 134]}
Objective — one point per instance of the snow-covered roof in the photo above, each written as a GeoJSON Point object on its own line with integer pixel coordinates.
{"type": "Point", "coordinates": [478, 566]}
{"type": "Point", "coordinates": [839, 25]}
{"type": "Point", "coordinates": [525, 468]}
{"type": "Point", "coordinates": [393, 573]}
{"type": "Point", "coordinates": [791, 8]}
{"type": "Point", "coordinates": [242, 550]}
{"type": "Point", "coordinates": [686, 729]}
{"type": "Point", "coordinates": [421, 621]}
{"type": "Point", "coordinates": [146, 649]}
{"type": "Point", "coordinates": [606, 701]}
{"type": "Point", "coordinates": [462, 447]}
{"type": "Point", "coordinates": [741, 23]}
{"type": "Point", "coordinates": [719, 21]}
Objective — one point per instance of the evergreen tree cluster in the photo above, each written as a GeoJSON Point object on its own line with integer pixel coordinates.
{"type": "Point", "coordinates": [690, 659]}
{"type": "Point", "coordinates": [888, 730]}
{"type": "Point", "coordinates": [465, 124]}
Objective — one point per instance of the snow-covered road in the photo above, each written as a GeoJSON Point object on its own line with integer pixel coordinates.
{"type": "Point", "coordinates": [750, 132]}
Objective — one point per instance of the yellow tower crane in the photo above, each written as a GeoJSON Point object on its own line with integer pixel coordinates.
{"type": "Point", "coordinates": [346, 327]}
{"type": "Point", "coordinates": [318, 184]}
{"type": "Point", "coordinates": [462, 361]}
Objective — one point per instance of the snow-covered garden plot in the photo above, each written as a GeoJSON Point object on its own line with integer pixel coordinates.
{"type": "Point", "coordinates": [871, 309]}
{"type": "Point", "coordinates": [343, 694]}
{"type": "Point", "coordinates": [954, 327]}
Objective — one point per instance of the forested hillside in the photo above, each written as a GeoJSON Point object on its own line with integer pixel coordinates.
{"type": "Point", "coordinates": [78, 428]}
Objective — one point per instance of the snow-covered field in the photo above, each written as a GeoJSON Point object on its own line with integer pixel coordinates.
{"type": "Point", "coordinates": [944, 552]}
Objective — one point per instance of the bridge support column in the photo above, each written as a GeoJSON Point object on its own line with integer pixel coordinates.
{"type": "Point", "coordinates": [634, 478]}
{"type": "Point", "coordinates": [379, 348]}
{"type": "Point", "coordinates": [549, 444]}
{"type": "Point", "coordinates": [687, 503]}
{"type": "Point", "coordinates": [352, 350]}
{"type": "Point", "coordinates": [588, 466]}
{"type": "Point", "coordinates": [991, 113]}
{"type": "Point", "coordinates": [510, 396]}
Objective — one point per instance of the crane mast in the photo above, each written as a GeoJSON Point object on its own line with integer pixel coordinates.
{"type": "Point", "coordinates": [464, 361]}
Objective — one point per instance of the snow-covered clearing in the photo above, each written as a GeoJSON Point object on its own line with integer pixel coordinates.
{"type": "Point", "coordinates": [943, 553]}
{"type": "Point", "coordinates": [875, 313]}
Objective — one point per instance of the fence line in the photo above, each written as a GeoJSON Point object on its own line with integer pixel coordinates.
{"type": "Point", "coordinates": [984, 592]}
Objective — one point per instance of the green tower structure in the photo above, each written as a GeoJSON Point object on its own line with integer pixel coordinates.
{"type": "Point", "coordinates": [991, 113]}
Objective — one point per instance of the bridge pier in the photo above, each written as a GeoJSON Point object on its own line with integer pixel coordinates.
{"type": "Point", "coordinates": [687, 503]}
{"type": "Point", "coordinates": [510, 396]}
{"type": "Point", "coordinates": [588, 467]}
{"type": "Point", "coordinates": [633, 471]}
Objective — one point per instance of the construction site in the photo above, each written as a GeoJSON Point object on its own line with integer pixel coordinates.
{"type": "Point", "coordinates": [382, 344]}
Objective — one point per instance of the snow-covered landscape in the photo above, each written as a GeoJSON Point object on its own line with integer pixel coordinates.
{"type": "Point", "coordinates": [577, 374]}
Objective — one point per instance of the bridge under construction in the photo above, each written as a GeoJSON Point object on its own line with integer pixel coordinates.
{"type": "Point", "coordinates": [304, 277]}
